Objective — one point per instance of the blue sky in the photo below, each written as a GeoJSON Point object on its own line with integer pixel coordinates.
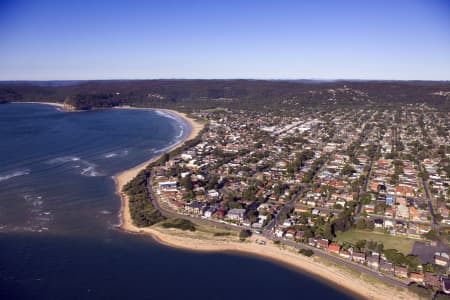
{"type": "Point", "coordinates": [88, 39]}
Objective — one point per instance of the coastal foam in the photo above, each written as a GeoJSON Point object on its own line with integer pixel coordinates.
{"type": "Point", "coordinates": [63, 159]}
{"type": "Point", "coordinates": [116, 154]}
{"type": "Point", "coordinates": [40, 218]}
{"type": "Point", "coordinates": [87, 168]}
{"type": "Point", "coordinates": [6, 176]}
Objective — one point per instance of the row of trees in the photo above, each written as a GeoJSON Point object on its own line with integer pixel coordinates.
{"type": "Point", "coordinates": [142, 211]}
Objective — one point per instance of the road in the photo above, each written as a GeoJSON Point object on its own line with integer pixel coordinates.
{"type": "Point", "coordinates": [366, 182]}
{"type": "Point", "coordinates": [284, 210]}
{"type": "Point", "coordinates": [428, 197]}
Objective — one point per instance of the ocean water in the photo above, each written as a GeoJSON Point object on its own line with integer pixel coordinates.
{"type": "Point", "coordinates": [58, 211]}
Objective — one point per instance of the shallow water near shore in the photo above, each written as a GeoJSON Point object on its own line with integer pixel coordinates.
{"type": "Point", "coordinates": [58, 211]}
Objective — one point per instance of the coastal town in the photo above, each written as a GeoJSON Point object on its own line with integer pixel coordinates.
{"type": "Point", "coordinates": [225, 150]}
{"type": "Point", "coordinates": [366, 188]}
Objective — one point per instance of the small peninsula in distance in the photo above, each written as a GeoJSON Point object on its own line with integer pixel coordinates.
{"type": "Point", "coordinates": [299, 181]}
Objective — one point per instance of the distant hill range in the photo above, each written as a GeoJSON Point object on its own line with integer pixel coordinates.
{"type": "Point", "coordinates": [187, 95]}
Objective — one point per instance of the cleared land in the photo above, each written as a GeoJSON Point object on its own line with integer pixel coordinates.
{"type": "Point", "coordinates": [400, 243]}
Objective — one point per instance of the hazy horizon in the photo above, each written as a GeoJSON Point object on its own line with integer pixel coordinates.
{"type": "Point", "coordinates": [249, 78]}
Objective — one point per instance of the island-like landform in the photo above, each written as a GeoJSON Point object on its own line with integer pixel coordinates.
{"type": "Point", "coordinates": [348, 181]}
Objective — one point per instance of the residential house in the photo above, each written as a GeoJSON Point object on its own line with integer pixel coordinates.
{"type": "Point", "coordinates": [168, 185]}
{"type": "Point", "coordinates": [279, 233]}
{"type": "Point", "coordinates": [441, 259]}
{"type": "Point", "coordinates": [359, 257]}
{"type": "Point", "coordinates": [236, 214]}
{"type": "Point", "coordinates": [401, 272]}
{"type": "Point", "coordinates": [432, 280]}
{"type": "Point", "coordinates": [290, 234]}
{"type": "Point", "coordinates": [386, 266]}
{"type": "Point", "coordinates": [322, 244]}
{"type": "Point", "coordinates": [196, 208]}
{"type": "Point", "coordinates": [209, 212]}
{"type": "Point", "coordinates": [344, 254]}
{"type": "Point", "coordinates": [300, 236]}
{"type": "Point", "coordinates": [334, 248]}
{"type": "Point", "coordinates": [416, 277]}
{"type": "Point", "coordinates": [378, 223]}
{"type": "Point", "coordinates": [373, 262]}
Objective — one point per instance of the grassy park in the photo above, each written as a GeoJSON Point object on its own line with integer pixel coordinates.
{"type": "Point", "coordinates": [402, 244]}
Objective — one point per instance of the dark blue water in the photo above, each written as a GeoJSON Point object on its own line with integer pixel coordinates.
{"type": "Point", "coordinates": [58, 209]}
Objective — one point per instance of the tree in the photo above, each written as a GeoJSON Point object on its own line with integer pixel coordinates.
{"type": "Point", "coordinates": [306, 252]}
{"type": "Point", "coordinates": [182, 224]}
{"type": "Point", "coordinates": [249, 193]}
{"type": "Point", "coordinates": [370, 224]}
{"type": "Point", "coordinates": [431, 235]}
{"type": "Point", "coordinates": [252, 215]}
{"type": "Point", "coordinates": [379, 248]}
{"type": "Point", "coordinates": [395, 257]}
{"type": "Point", "coordinates": [328, 232]}
{"type": "Point", "coordinates": [244, 233]}
{"type": "Point", "coordinates": [348, 170]}
{"type": "Point", "coordinates": [186, 182]}
{"type": "Point", "coordinates": [165, 157]}
{"type": "Point", "coordinates": [213, 183]}
{"type": "Point", "coordinates": [366, 198]}
{"type": "Point", "coordinates": [360, 245]}
{"type": "Point", "coordinates": [233, 204]}
{"type": "Point", "coordinates": [413, 262]}
{"type": "Point", "coordinates": [360, 224]}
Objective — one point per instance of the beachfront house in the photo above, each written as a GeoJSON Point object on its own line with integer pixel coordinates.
{"type": "Point", "coordinates": [373, 262]}
{"type": "Point", "coordinates": [209, 212]}
{"type": "Point", "coordinates": [236, 214]}
{"type": "Point", "coordinates": [167, 185]}
{"type": "Point", "coordinates": [401, 272]}
{"type": "Point", "coordinates": [359, 257]}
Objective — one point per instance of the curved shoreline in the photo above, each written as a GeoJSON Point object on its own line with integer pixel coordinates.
{"type": "Point", "coordinates": [332, 275]}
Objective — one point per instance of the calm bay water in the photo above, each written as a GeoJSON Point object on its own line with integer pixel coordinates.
{"type": "Point", "coordinates": [58, 209]}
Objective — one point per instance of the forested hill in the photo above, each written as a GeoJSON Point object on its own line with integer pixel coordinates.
{"type": "Point", "coordinates": [187, 95]}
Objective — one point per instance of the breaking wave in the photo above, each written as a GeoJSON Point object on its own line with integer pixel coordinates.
{"type": "Point", "coordinates": [174, 117]}
{"type": "Point", "coordinates": [166, 114]}
{"type": "Point", "coordinates": [63, 159]}
{"type": "Point", "coordinates": [90, 169]}
{"type": "Point", "coordinates": [116, 154]}
{"type": "Point", "coordinates": [6, 176]}
{"type": "Point", "coordinates": [87, 168]}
